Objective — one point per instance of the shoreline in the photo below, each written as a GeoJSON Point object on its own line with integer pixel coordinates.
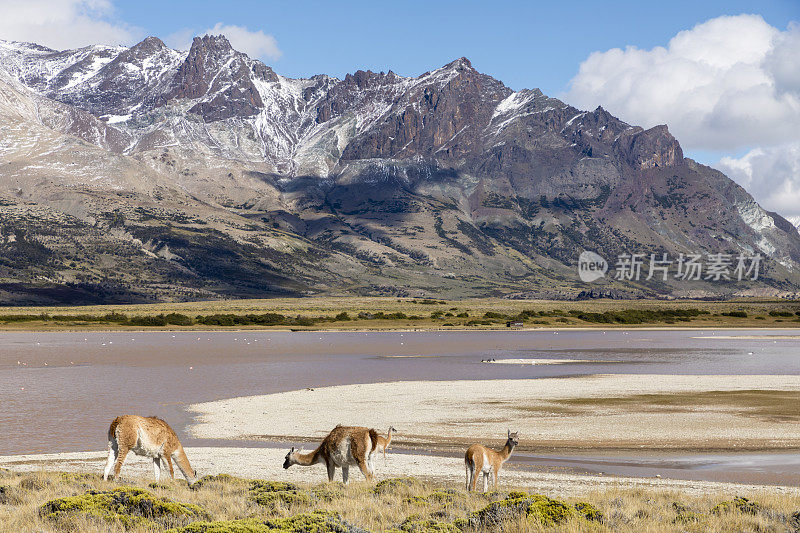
{"type": "Point", "coordinates": [613, 411]}
{"type": "Point", "coordinates": [266, 463]}
{"type": "Point", "coordinates": [541, 448]}
{"type": "Point", "coordinates": [312, 329]}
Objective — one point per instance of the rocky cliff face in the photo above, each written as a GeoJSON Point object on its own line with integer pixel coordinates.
{"type": "Point", "coordinates": [222, 79]}
{"type": "Point", "coordinates": [175, 175]}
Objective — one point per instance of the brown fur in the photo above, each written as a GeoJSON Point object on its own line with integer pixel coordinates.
{"type": "Point", "coordinates": [360, 443]}
{"type": "Point", "coordinates": [147, 436]}
{"type": "Point", "coordinates": [475, 465]}
{"type": "Point", "coordinates": [384, 442]}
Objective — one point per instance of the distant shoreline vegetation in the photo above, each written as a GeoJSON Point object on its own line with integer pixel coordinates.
{"type": "Point", "coordinates": [449, 318]}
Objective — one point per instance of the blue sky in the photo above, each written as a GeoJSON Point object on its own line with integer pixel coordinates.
{"type": "Point", "coordinates": [524, 44]}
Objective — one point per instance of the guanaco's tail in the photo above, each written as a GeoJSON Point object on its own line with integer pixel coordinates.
{"type": "Point", "coordinates": [112, 429]}
{"type": "Point", "coordinates": [373, 436]}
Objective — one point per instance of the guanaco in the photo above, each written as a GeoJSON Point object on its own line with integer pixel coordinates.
{"type": "Point", "coordinates": [344, 446]}
{"type": "Point", "coordinates": [384, 442]}
{"type": "Point", "coordinates": [482, 460]}
{"type": "Point", "coordinates": [148, 437]}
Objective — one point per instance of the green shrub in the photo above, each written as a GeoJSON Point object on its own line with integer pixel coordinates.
{"type": "Point", "coordinates": [220, 480]}
{"type": "Point", "coordinates": [743, 505]}
{"type": "Point", "coordinates": [270, 493]}
{"type": "Point", "coordinates": [394, 483]}
{"type": "Point", "coordinates": [638, 316]}
{"type": "Point", "coordinates": [116, 317]}
{"type": "Point", "coordinates": [736, 314]}
{"type": "Point", "coordinates": [534, 507]}
{"type": "Point", "coordinates": [417, 524]}
{"type": "Point", "coordinates": [131, 507]}
{"type": "Point", "coordinates": [178, 319]}
{"type": "Point", "coordinates": [157, 320]}
{"type": "Point", "coordinates": [589, 511]}
{"type": "Point", "coordinates": [781, 313]}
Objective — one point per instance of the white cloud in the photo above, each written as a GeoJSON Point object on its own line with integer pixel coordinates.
{"type": "Point", "coordinates": [253, 43]}
{"type": "Point", "coordinates": [729, 83]}
{"type": "Point", "coordinates": [62, 24]}
{"type": "Point", "coordinates": [256, 44]}
{"type": "Point", "coordinates": [771, 175]}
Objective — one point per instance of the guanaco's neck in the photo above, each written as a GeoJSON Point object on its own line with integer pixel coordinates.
{"type": "Point", "coordinates": [307, 459]}
{"type": "Point", "coordinates": [184, 466]}
{"type": "Point", "coordinates": [389, 436]}
{"type": "Point", "coordinates": [505, 453]}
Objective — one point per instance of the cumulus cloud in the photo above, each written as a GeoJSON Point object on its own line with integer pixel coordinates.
{"type": "Point", "coordinates": [256, 44]}
{"type": "Point", "coordinates": [729, 83]}
{"type": "Point", "coordinates": [62, 24]}
{"type": "Point", "coordinates": [253, 43]}
{"type": "Point", "coordinates": [770, 174]}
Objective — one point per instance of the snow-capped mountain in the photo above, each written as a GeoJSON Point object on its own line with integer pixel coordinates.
{"type": "Point", "coordinates": [444, 182]}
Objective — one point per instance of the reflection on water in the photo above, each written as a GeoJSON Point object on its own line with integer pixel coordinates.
{"type": "Point", "coordinates": [59, 390]}
{"type": "Point", "coordinates": [748, 467]}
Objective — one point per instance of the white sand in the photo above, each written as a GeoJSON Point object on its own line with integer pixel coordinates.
{"type": "Point", "coordinates": [460, 411]}
{"type": "Point", "coordinates": [265, 463]}
{"type": "Point", "coordinates": [542, 361]}
{"type": "Point", "coordinates": [751, 337]}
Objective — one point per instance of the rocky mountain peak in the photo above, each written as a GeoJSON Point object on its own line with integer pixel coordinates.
{"type": "Point", "coordinates": [210, 44]}
{"type": "Point", "coordinates": [146, 47]}
{"type": "Point", "coordinates": [364, 79]}
{"type": "Point", "coordinates": [652, 148]}
{"type": "Point", "coordinates": [222, 78]}
{"type": "Point", "coordinates": [462, 63]}
{"type": "Point", "coordinates": [207, 56]}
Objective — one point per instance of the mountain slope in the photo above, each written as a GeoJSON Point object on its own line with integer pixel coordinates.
{"type": "Point", "coordinates": [224, 178]}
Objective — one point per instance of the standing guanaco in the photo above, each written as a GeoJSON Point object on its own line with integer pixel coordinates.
{"type": "Point", "coordinates": [344, 446]}
{"type": "Point", "coordinates": [482, 460]}
{"type": "Point", "coordinates": [384, 442]}
{"type": "Point", "coordinates": [149, 437]}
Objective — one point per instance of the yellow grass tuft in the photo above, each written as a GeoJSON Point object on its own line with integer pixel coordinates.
{"type": "Point", "coordinates": [228, 504]}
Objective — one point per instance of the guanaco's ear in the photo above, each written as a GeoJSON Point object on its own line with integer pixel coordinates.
{"type": "Point", "coordinates": [292, 450]}
{"type": "Point", "coordinates": [509, 433]}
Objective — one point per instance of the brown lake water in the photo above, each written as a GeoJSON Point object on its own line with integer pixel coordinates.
{"type": "Point", "coordinates": [60, 390]}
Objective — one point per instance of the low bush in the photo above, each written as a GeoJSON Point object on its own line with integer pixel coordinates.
{"type": "Point", "coordinates": [131, 507]}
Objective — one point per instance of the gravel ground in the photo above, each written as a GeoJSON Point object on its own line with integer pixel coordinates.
{"type": "Point", "coordinates": [454, 413]}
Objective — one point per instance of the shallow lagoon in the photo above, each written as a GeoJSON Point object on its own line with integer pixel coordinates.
{"type": "Point", "coordinates": [59, 390]}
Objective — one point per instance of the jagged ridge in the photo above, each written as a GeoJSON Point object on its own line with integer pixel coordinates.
{"type": "Point", "coordinates": [448, 181]}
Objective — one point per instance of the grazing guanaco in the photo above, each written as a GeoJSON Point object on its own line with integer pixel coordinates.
{"type": "Point", "coordinates": [384, 442]}
{"type": "Point", "coordinates": [148, 437]}
{"type": "Point", "coordinates": [482, 460]}
{"type": "Point", "coordinates": [344, 446]}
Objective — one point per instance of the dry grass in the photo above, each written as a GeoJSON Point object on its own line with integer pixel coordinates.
{"type": "Point", "coordinates": [388, 506]}
{"type": "Point", "coordinates": [758, 312]}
